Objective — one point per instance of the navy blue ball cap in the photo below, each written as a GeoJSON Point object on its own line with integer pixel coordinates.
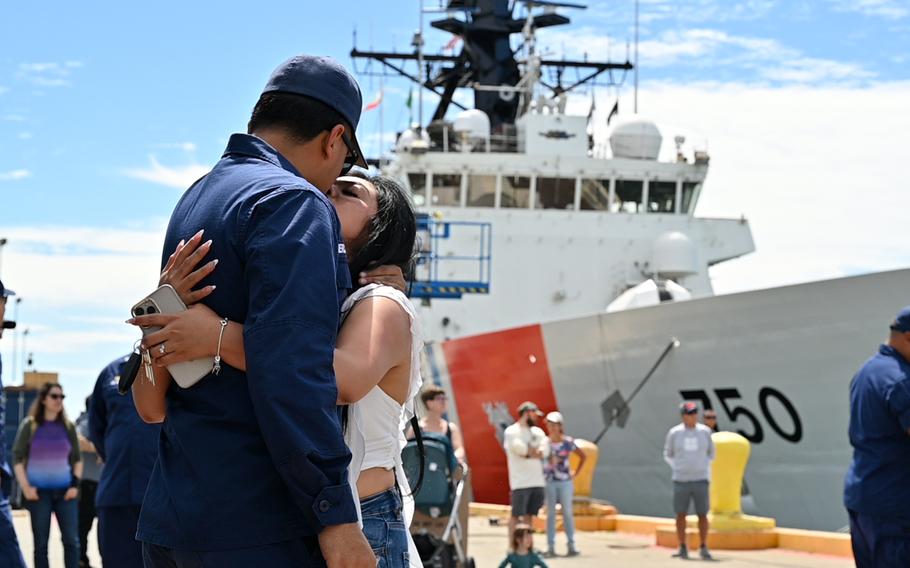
{"type": "Point", "coordinates": [5, 292]}
{"type": "Point", "coordinates": [688, 408]}
{"type": "Point", "coordinates": [325, 80]}
{"type": "Point", "coordinates": [902, 321]}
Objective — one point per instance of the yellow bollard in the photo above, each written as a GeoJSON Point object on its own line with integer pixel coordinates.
{"type": "Point", "coordinates": [585, 477]}
{"type": "Point", "coordinates": [727, 472]}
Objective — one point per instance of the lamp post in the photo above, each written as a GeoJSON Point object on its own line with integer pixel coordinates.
{"type": "Point", "coordinates": [29, 361]}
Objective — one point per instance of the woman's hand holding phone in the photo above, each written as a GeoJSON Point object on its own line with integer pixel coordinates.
{"type": "Point", "coordinates": [189, 335]}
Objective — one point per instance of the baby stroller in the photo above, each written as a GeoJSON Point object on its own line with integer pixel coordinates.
{"type": "Point", "coordinates": [441, 507]}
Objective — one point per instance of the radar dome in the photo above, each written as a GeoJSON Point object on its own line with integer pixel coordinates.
{"type": "Point", "coordinates": [674, 255]}
{"type": "Point", "coordinates": [637, 138]}
{"type": "Point", "coordinates": [475, 123]}
{"type": "Point", "coordinates": [412, 140]}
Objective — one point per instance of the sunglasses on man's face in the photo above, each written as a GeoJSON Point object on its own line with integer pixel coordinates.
{"type": "Point", "coordinates": [56, 396]}
{"type": "Point", "coordinates": [353, 156]}
{"type": "Point", "coordinates": [710, 417]}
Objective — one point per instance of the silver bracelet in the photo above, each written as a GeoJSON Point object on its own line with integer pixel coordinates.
{"type": "Point", "coordinates": [216, 368]}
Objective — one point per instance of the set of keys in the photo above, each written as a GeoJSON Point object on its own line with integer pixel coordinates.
{"type": "Point", "coordinates": [139, 357]}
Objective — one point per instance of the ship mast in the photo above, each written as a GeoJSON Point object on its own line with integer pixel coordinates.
{"type": "Point", "coordinates": [487, 62]}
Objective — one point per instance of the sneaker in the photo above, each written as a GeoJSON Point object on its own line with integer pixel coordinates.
{"type": "Point", "coordinates": [704, 554]}
{"type": "Point", "coordinates": [550, 553]}
{"type": "Point", "coordinates": [573, 551]}
{"type": "Point", "coordinates": [682, 553]}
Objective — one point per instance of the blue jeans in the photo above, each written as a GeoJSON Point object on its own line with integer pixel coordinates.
{"type": "Point", "coordinates": [383, 525]}
{"type": "Point", "coordinates": [560, 492]}
{"type": "Point", "coordinates": [879, 542]}
{"type": "Point", "coordinates": [67, 513]}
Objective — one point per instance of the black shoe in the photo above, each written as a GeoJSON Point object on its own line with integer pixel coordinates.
{"type": "Point", "coordinates": [683, 553]}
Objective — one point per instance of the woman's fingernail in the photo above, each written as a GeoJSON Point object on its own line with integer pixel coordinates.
{"type": "Point", "coordinates": [181, 243]}
{"type": "Point", "coordinates": [199, 234]}
{"type": "Point", "coordinates": [207, 243]}
{"type": "Point", "coordinates": [363, 280]}
{"type": "Point", "coordinates": [131, 320]}
{"type": "Point", "coordinates": [215, 262]}
{"type": "Point", "coordinates": [362, 274]}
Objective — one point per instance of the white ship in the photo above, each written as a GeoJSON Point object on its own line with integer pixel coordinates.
{"type": "Point", "coordinates": [583, 283]}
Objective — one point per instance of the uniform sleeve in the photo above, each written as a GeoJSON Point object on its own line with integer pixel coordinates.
{"type": "Point", "coordinates": [97, 414]}
{"type": "Point", "coordinates": [289, 337]}
{"type": "Point", "coordinates": [22, 441]}
{"type": "Point", "coordinates": [898, 399]}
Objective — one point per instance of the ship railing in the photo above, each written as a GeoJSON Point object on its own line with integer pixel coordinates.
{"type": "Point", "coordinates": [468, 272]}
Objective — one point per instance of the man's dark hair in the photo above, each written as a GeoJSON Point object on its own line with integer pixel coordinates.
{"type": "Point", "coordinates": [302, 117]}
{"type": "Point", "coordinates": [391, 234]}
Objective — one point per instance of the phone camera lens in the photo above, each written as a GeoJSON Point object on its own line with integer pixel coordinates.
{"type": "Point", "coordinates": [139, 311]}
{"type": "Point", "coordinates": [151, 310]}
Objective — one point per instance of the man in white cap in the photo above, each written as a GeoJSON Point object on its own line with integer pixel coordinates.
{"type": "Point", "coordinates": [526, 447]}
{"type": "Point", "coordinates": [560, 478]}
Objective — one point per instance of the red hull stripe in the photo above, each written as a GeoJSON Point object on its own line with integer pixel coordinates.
{"type": "Point", "coordinates": [491, 373]}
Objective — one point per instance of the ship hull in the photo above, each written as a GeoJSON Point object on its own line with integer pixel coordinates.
{"type": "Point", "coordinates": [775, 364]}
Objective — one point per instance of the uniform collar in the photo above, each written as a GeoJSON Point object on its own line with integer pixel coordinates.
{"type": "Point", "coordinates": [889, 351]}
{"type": "Point", "coordinates": [249, 145]}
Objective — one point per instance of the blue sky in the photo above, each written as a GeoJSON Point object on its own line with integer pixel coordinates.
{"type": "Point", "coordinates": [108, 108]}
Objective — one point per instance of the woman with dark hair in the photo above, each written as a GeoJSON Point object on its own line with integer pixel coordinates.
{"type": "Point", "coordinates": [48, 466]}
{"type": "Point", "coordinates": [377, 352]}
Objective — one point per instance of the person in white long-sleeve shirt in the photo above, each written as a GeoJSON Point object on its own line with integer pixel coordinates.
{"type": "Point", "coordinates": [689, 451]}
{"type": "Point", "coordinates": [526, 449]}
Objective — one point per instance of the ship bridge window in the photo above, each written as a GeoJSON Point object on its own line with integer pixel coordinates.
{"type": "Point", "coordinates": [689, 191]}
{"type": "Point", "coordinates": [556, 193]}
{"type": "Point", "coordinates": [481, 191]}
{"type": "Point", "coordinates": [595, 194]}
{"type": "Point", "coordinates": [628, 196]}
{"type": "Point", "coordinates": [446, 190]}
{"type": "Point", "coordinates": [418, 184]}
{"type": "Point", "coordinates": [661, 196]}
{"type": "Point", "coordinates": [516, 191]}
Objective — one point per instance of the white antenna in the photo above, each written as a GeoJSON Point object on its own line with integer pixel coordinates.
{"type": "Point", "coordinates": [635, 108]}
{"type": "Point", "coordinates": [418, 44]}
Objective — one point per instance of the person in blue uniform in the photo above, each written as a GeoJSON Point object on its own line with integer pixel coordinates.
{"type": "Point", "coordinates": [10, 553]}
{"type": "Point", "coordinates": [252, 466]}
{"type": "Point", "coordinates": [877, 485]}
{"type": "Point", "coordinates": [128, 446]}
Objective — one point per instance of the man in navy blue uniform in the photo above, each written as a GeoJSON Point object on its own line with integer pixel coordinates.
{"type": "Point", "coordinates": [10, 554]}
{"type": "Point", "coordinates": [129, 448]}
{"type": "Point", "coordinates": [252, 467]}
{"type": "Point", "coordinates": [877, 486]}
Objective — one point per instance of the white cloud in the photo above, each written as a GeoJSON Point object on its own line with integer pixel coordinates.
{"type": "Point", "coordinates": [889, 9]}
{"type": "Point", "coordinates": [25, 136]}
{"type": "Point", "coordinates": [15, 175]}
{"type": "Point", "coordinates": [188, 147]}
{"type": "Point", "coordinates": [12, 117]}
{"type": "Point", "coordinates": [179, 177]}
{"type": "Point", "coordinates": [48, 74]}
{"type": "Point", "coordinates": [767, 60]}
{"type": "Point", "coordinates": [814, 169]}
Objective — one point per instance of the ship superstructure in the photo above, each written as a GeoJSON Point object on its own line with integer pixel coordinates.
{"type": "Point", "coordinates": [575, 223]}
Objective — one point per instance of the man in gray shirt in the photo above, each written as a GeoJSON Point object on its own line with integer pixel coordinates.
{"type": "Point", "coordinates": [689, 451]}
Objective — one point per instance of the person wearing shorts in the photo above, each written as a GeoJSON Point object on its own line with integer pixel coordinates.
{"type": "Point", "coordinates": [526, 449]}
{"type": "Point", "coordinates": [689, 451]}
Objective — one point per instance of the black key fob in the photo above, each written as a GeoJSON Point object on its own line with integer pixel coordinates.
{"type": "Point", "coordinates": [129, 373]}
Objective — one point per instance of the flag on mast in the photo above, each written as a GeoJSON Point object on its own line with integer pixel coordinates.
{"type": "Point", "coordinates": [613, 112]}
{"type": "Point", "coordinates": [452, 43]}
{"type": "Point", "coordinates": [410, 104]}
{"type": "Point", "coordinates": [375, 102]}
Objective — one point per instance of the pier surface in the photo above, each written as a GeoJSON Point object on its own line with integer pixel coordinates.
{"type": "Point", "coordinates": [488, 544]}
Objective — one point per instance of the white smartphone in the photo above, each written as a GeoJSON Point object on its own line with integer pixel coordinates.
{"type": "Point", "coordinates": [165, 300]}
